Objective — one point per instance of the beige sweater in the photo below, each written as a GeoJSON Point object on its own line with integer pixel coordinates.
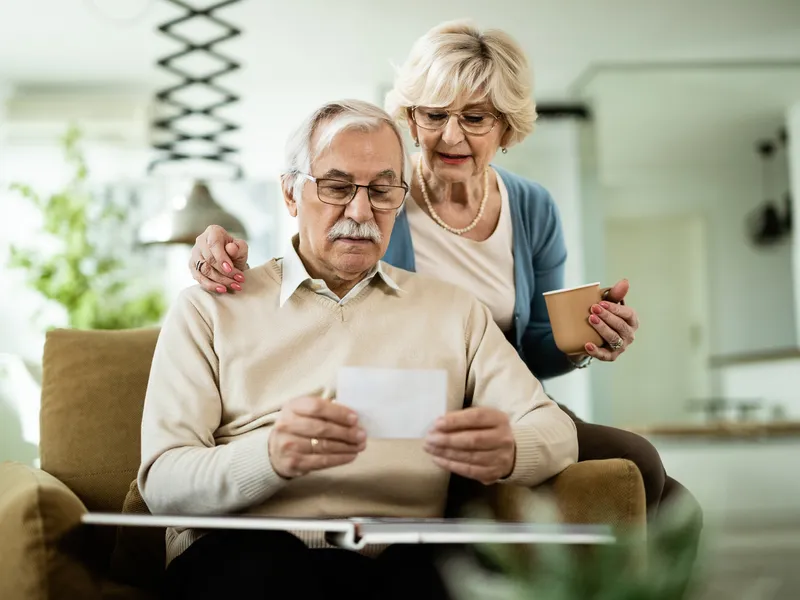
{"type": "Point", "coordinates": [224, 366]}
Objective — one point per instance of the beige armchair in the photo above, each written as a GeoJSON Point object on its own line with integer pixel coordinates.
{"type": "Point", "coordinates": [92, 397]}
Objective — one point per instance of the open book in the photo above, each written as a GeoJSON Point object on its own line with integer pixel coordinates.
{"type": "Point", "coordinates": [355, 533]}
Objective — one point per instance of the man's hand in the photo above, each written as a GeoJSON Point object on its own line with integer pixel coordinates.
{"type": "Point", "coordinates": [312, 433]}
{"type": "Point", "coordinates": [475, 442]}
{"type": "Point", "coordinates": [221, 259]}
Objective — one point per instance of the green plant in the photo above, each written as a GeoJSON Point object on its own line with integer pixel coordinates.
{"type": "Point", "coordinates": [658, 568]}
{"type": "Point", "coordinates": [82, 272]}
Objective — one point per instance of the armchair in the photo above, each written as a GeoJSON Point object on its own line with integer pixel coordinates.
{"type": "Point", "coordinates": [92, 398]}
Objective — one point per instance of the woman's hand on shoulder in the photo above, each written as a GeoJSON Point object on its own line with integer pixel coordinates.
{"type": "Point", "coordinates": [616, 323]}
{"type": "Point", "coordinates": [218, 260]}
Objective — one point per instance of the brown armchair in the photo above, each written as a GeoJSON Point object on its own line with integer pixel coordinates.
{"type": "Point", "coordinates": [92, 397]}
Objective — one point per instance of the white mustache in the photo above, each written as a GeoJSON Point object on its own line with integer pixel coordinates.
{"type": "Point", "coordinates": [347, 228]}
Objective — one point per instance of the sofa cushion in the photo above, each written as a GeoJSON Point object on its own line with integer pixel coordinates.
{"type": "Point", "coordinates": [607, 491]}
{"type": "Point", "coordinates": [44, 548]}
{"type": "Point", "coordinates": [93, 389]}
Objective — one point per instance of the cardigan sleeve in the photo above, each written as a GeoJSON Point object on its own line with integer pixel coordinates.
{"type": "Point", "coordinates": [539, 349]}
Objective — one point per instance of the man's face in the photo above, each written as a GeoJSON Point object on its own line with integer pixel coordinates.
{"type": "Point", "coordinates": [362, 157]}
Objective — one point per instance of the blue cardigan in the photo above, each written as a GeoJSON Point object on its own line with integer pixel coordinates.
{"type": "Point", "coordinates": [539, 258]}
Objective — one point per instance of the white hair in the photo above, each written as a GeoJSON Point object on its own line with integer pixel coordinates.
{"type": "Point", "coordinates": [338, 116]}
{"type": "Point", "coordinates": [455, 61]}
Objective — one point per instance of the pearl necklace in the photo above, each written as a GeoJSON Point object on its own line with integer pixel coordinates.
{"type": "Point", "coordinates": [437, 218]}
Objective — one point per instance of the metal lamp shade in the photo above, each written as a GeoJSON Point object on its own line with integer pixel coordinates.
{"type": "Point", "coordinates": [182, 226]}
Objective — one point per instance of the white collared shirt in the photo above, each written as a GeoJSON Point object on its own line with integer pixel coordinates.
{"type": "Point", "coordinates": [294, 275]}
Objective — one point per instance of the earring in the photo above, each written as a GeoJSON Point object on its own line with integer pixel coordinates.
{"type": "Point", "coordinates": [416, 143]}
{"type": "Point", "coordinates": [504, 150]}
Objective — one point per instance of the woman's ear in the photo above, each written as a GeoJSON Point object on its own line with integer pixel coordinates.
{"type": "Point", "coordinates": [505, 139]}
{"type": "Point", "coordinates": [412, 127]}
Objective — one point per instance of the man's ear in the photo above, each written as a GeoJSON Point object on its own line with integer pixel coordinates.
{"type": "Point", "coordinates": [287, 187]}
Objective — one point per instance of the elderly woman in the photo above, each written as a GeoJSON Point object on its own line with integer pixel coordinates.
{"type": "Point", "coordinates": [465, 94]}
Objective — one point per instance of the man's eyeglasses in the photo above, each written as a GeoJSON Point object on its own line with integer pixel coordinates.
{"type": "Point", "coordinates": [341, 193]}
{"type": "Point", "coordinates": [472, 122]}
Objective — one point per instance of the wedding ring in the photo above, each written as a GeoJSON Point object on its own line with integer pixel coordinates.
{"type": "Point", "coordinates": [198, 264]}
{"type": "Point", "coordinates": [314, 444]}
{"type": "Point", "coordinates": [617, 345]}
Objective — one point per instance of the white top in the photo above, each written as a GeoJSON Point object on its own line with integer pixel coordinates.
{"type": "Point", "coordinates": [484, 268]}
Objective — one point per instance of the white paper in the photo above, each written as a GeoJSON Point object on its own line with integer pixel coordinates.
{"type": "Point", "coordinates": [394, 403]}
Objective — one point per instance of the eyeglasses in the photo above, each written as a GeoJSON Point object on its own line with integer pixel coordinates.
{"type": "Point", "coordinates": [472, 122]}
{"type": "Point", "coordinates": [341, 193]}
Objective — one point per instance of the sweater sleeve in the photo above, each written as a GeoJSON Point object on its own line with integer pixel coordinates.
{"type": "Point", "coordinates": [183, 470]}
{"type": "Point", "coordinates": [545, 436]}
{"type": "Point", "coordinates": [539, 348]}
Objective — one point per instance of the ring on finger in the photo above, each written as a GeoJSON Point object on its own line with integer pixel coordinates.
{"type": "Point", "coordinates": [198, 264]}
{"type": "Point", "coordinates": [616, 345]}
{"type": "Point", "coordinates": [314, 444]}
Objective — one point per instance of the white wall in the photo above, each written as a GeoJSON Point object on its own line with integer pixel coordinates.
{"type": "Point", "coordinates": [737, 482]}
{"type": "Point", "coordinates": [679, 140]}
{"type": "Point", "coordinates": [595, 246]}
{"type": "Point", "coordinates": [751, 292]}
{"type": "Point", "coordinates": [552, 157]}
{"type": "Point", "coordinates": [668, 364]}
{"type": "Point", "coordinates": [774, 384]}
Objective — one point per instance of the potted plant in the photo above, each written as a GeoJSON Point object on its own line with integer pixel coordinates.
{"type": "Point", "coordinates": [658, 564]}
{"type": "Point", "coordinates": [86, 271]}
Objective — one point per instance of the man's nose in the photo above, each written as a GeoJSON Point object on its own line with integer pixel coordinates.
{"type": "Point", "coordinates": [359, 209]}
{"type": "Point", "coordinates": [452, 133]}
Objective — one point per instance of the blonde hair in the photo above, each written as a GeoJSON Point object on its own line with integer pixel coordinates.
{"type": "Point", "coordinates": [339, 116]}
{"type": "Point", "coordinates": [457, 61]}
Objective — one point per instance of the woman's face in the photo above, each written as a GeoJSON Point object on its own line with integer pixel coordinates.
{"type": "Point", "coordinates": [454, 143]}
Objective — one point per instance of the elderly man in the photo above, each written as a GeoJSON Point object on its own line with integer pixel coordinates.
{"type": "Point", "coordinates": [235, 421]}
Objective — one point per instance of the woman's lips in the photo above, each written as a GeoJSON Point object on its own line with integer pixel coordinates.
{"type": "Point", "coordinates": [453, 159]}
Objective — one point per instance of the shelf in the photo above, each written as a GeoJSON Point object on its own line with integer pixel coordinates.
{"type": "Point", "coordinates": [745, 358]}
{"type": "Point", "coordinates": [723, 430]}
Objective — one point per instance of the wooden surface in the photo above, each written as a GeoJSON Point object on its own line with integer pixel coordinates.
{"type": "Point", "coordinates": [723, 430]}
{"type": "Point", "coordinates": [726, 360]}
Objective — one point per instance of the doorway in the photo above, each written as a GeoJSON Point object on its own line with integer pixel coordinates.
{"type": "Point", "coordinates": [665, 260]}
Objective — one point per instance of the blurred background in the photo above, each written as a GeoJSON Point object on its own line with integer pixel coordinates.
{"type": "Point", "coordinates": [669, 136]}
